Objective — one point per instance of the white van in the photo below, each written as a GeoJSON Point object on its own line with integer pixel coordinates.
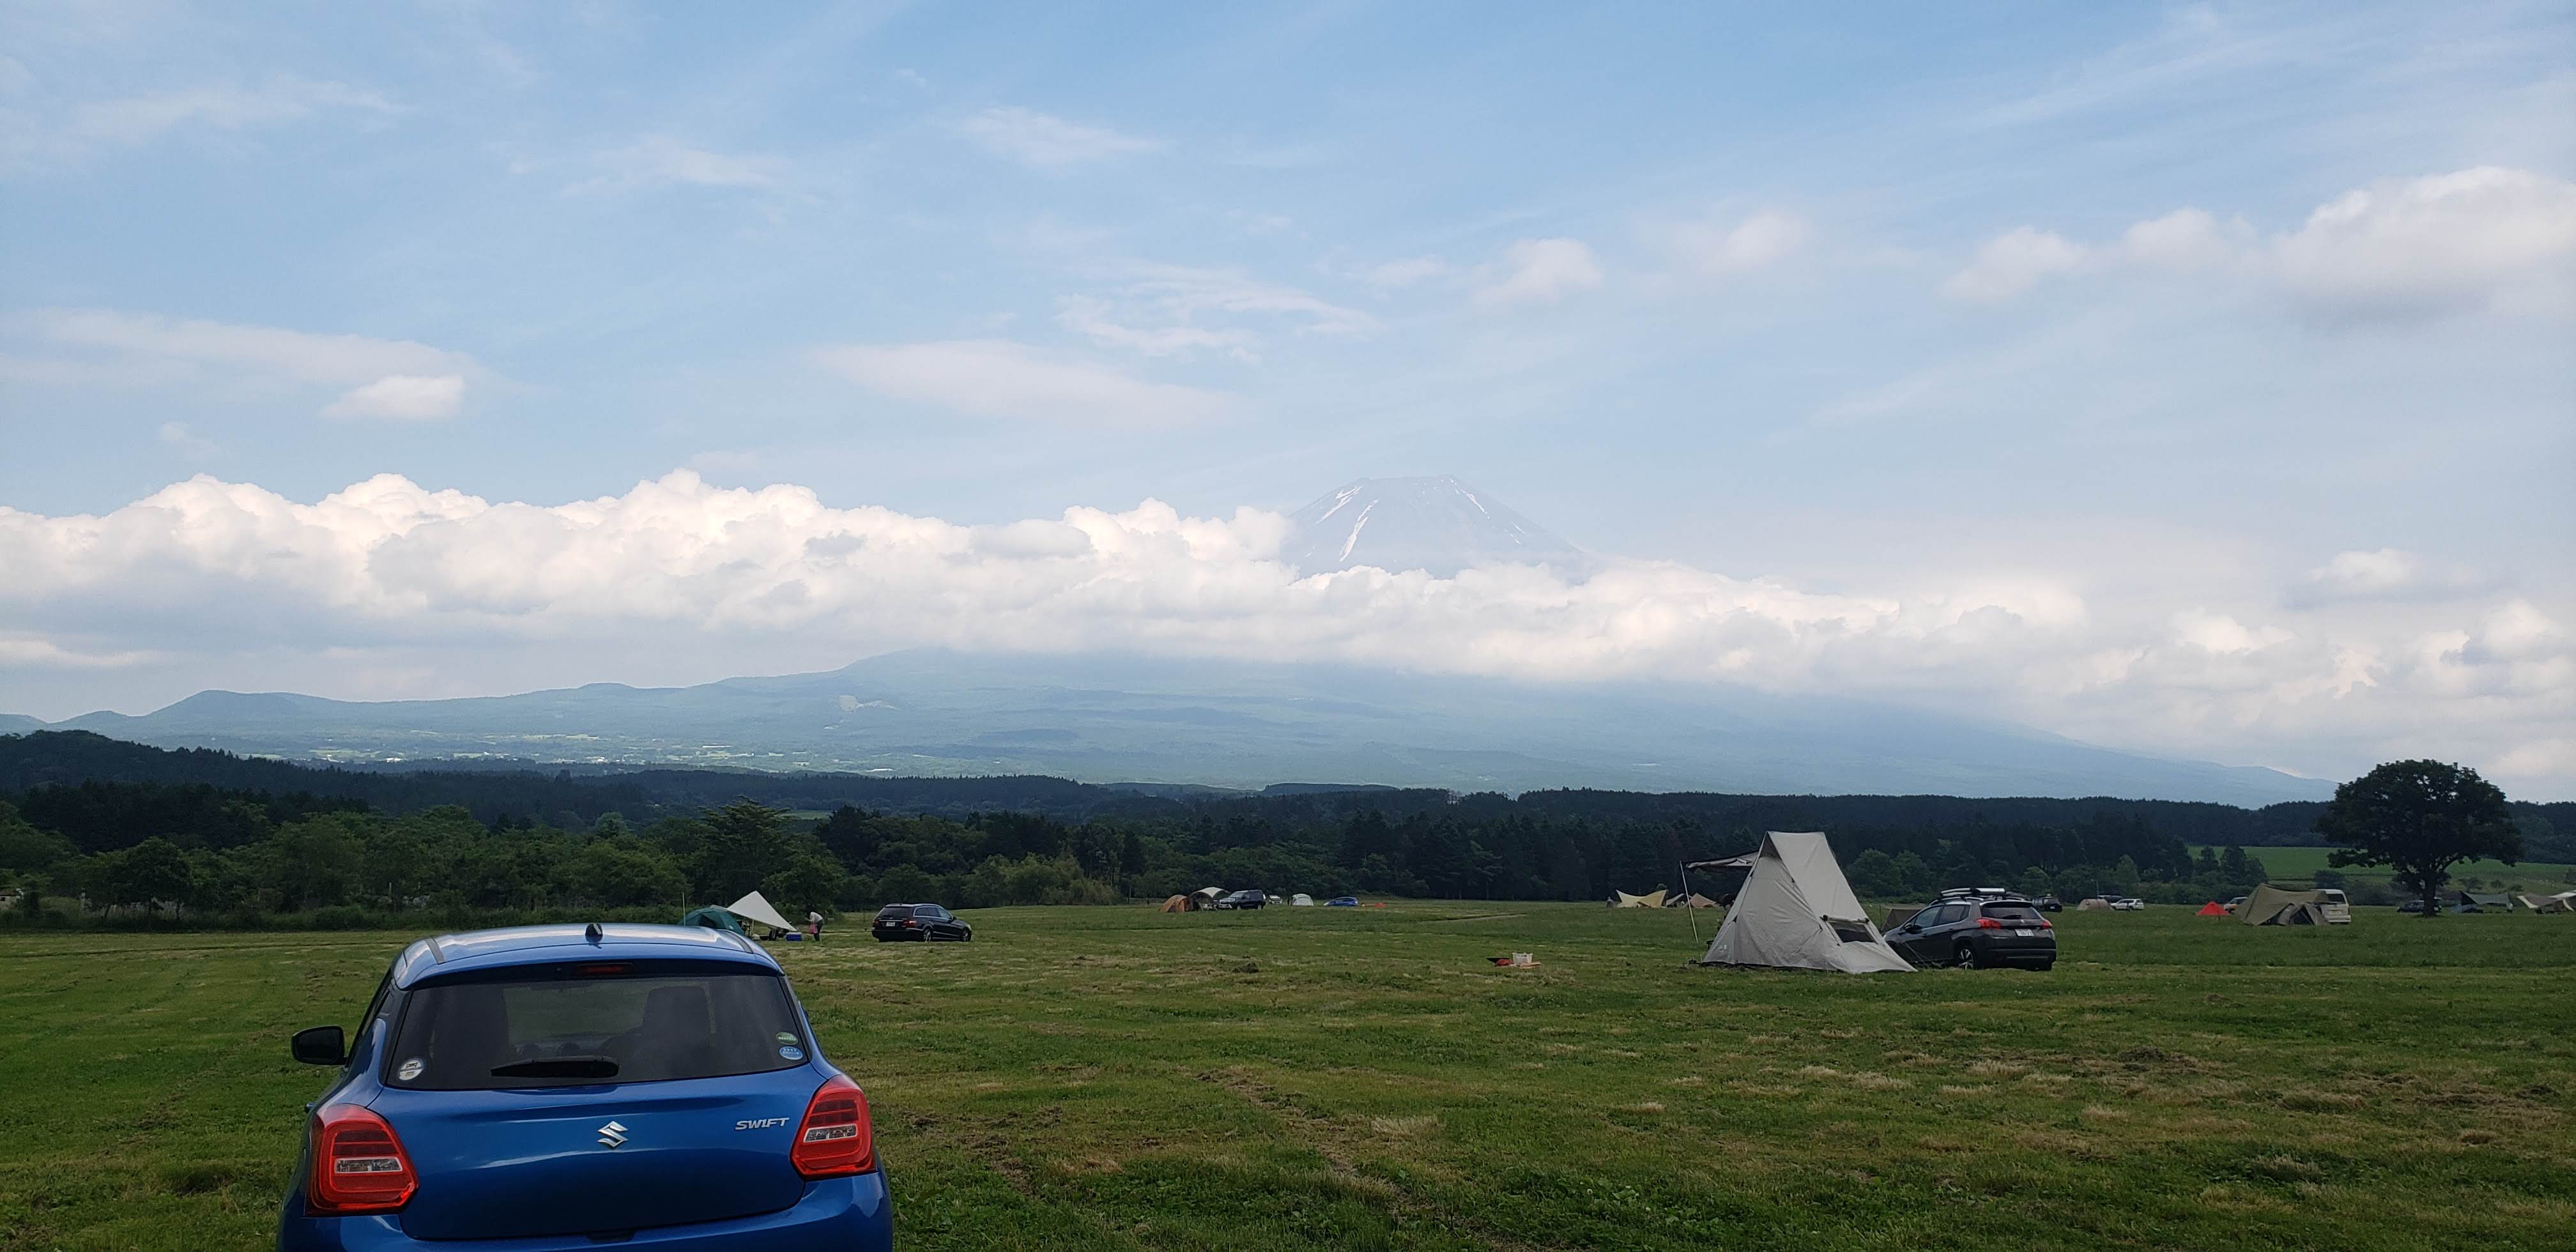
{"type": "Point", "coordinates": [2338, 910]}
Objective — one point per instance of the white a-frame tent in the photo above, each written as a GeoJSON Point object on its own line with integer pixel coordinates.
{"type": "Point", "coordinates": [1797, 911]}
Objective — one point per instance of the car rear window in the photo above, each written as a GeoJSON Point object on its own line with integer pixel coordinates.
{"type": "Point", "coordinates": [2012, 912]}
{"type": "Point", "coordinates": [895, 910]}
{"type": "Point", "coordinates": [556, 1030]}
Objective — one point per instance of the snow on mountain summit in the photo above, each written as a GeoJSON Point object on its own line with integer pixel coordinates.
{"type": "Point", "coordinates": [1440, 525]}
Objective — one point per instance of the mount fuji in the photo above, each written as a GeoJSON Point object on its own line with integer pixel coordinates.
{"type": "Point", "coordinates": [1169, 719]}
{"type": "Point", "coordinates": [1438, 525]}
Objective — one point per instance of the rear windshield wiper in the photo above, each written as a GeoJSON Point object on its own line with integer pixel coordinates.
{"type": "Point", "coordinates": [560, 1067]}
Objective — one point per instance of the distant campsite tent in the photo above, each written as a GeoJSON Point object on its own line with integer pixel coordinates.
{"type": "Point", "coordinates": [755, 908]}
{"type": "Point", "coordinates": [2271, 906]}
{"type": "Point", "coordinates": [2481, 902]}
{"type": "Point", "coordinates": [2094, 904]}
{"type": "Point", "coordinates": [713, 919]}
{"type": "Point", "coordinates": [1208, 895]}
{"type": "Point", "coordinates": [2212, 909]}
{"type": "Point", "coordinates": [1302, 900]}
{"type": "Point", "coordinates": [1622, 900]}
{"type": "Point", "coordinates": [1181, 904]}
{"type": "Point", "coordinates": [1692, 901]}
{"type": "Point", "coordinates": [1797, 911]}
{"type": "Point", "coordinates": [2563, 902]}
{"type": "Point", "coordinates": [1897, 914]}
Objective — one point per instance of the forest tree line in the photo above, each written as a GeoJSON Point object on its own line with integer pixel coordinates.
{"type": "Point", "coordinates": [215, 852]}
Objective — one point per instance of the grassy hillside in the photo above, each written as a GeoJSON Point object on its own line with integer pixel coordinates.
{"type": "Point", "coordinates": [1120, 1078]}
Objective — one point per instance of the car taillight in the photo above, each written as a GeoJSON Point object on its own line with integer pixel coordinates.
{"type": "Point", "coordinates": [835, 1138]}
{"type": "Point", "coordinates": [358, 1164]}
{"type": "Point", "coordinates": [2045, 924]}
{"type": "Point", "coordinates": [909, 922]}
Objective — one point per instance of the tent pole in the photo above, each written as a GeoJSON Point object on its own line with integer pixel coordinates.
{"type": "Point", "coordinates": [1687, 906]}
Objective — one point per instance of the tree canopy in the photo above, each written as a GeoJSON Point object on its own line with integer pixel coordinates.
{"type": "Point", "coordinates": [2420, 818]}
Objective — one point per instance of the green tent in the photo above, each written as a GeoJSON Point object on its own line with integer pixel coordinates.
{"type": "Point", "coordinates": [714, 919]}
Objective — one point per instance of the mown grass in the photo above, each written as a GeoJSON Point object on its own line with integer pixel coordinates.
{"type": "Point", "coordinates": [1113, 1078]}
{"type": "Point", "coordinates": [2299, 864]}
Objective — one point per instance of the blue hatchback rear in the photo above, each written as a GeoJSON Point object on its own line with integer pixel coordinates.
{"type": "Point", "coordinates": [561, 1087]}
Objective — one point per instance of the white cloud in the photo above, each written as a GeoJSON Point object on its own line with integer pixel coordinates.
{"type": "Point", "coordinates": [1038, 139]}
{"type": "Point", "coordinates": [209, 569]}
{"type": "Point", "coordinates": [2185, 239]}
{"type": "Point", "coordinates": [1541, 271]}
{"type": "Point", "coordinates": [2217, 632]}
{"type": "Point", "coordinates": [1720, 248]}
{"type": "Point", "coordinates": [411, 397]}
{"type": "Point", "coordinates": [2399, 249]}
{"type": "Point", "coordinates": [1092, 319]}
{"type": "Point", "coordinates": [141, 119]}
{"type": "Point", "coordinates": [46, 654]}
{"type": "Point", "coordinates": [2384, 574]}
{"type": "Point", "coordinates": [375, 377]}
{"type": "Point", "coordinates": [2014, 262]}
{"type": "Point", "coordinates": [2417, 247]}
{"type": "Point", "coordinates": [1405, 273]}
{"type": "Point", "coordinates": [291, 355]}
{"type": "Point", "coordinates": [1170, 310]}
{"type": "Point", "coordinates": [999, 378]}
{"type": "Point", "coordinates": [660, 159]}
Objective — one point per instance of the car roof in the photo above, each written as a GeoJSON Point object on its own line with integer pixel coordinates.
{"type": "Point", "coordinates": [539, 945]}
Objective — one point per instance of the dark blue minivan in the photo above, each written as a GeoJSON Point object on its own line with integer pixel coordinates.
{"type": "Point", "coordinates": [563, 1087]}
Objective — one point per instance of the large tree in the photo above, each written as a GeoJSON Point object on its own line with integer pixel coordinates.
{"type": "Point", "coordinates": [2420, 818]}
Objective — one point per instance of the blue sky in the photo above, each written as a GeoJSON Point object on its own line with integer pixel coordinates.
{"type": "Point", "coordinates": [1891, 304]}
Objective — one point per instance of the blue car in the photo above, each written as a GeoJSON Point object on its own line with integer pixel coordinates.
{"type": "Point", "coordinates": [549, 1088]}
{"type": "Point", "coordinates": [1342, 902]}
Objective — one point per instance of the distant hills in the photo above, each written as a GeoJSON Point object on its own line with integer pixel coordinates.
{"type": "Point", "coordinates": [1227, 724]}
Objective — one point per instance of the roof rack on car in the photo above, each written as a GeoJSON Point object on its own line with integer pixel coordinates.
{"type": "Point", "coordinates": [437, 954]}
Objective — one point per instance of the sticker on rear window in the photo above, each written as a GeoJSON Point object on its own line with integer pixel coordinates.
{"type": "Point", "coordinates": [409, 1070]}
{"type": "Point", "coordinates": [792, 1053]}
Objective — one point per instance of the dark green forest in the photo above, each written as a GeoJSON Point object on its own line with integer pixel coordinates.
{"type": "Point", "coordinates": [145, 833]}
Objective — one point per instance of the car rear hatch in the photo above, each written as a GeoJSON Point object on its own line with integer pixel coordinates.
{"type": "Point", "coordinates": [557, 1103]}
{"type": "Point", "coordinates": [2015, 927]}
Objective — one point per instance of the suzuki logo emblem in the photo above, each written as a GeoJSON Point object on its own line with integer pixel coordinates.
{"type": "Point", "coordinates": [612, 1135]}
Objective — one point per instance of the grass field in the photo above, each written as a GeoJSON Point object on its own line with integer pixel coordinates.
{"type": "Point", "coordinates": [1311, 1078]}
{"type": "Point", "coordinates": [2302, 864]}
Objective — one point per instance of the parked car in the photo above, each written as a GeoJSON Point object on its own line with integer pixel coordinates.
{"type": "Point", "coordinates": [1342, 902]}
{"type": "Point", "coordinates": [2049, 904]}
{"type": "Point", "coordinates": [2235, 904]}
{"type": "Point", "coordinates": [1975, 933]}
{"type": "Point", "coordinates": [924, 923]}
{"type": "Point", "coordinates": [563, 1086]}
{"type": "Point", "coordinates": [1245, 899]}
{"type": "Point", "coordinates": [2410, 906]}
{"type": "Point", "coordinates": [2127, 904]}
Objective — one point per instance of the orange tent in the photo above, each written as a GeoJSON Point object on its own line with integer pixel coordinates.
{"type": "Point", "coordinates": [2212, 909]}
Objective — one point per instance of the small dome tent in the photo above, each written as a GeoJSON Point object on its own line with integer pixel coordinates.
{"type": "Point", "coordinates": [713, 918]}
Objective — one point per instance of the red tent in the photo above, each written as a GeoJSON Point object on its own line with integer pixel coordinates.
{"type": "Point", "coordinates": [2212, 909]}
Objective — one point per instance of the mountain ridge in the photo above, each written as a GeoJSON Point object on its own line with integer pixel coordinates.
{"type": "Point", "coordinates": [1115, 718]}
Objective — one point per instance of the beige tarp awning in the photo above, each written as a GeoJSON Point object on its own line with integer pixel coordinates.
{"type": "Point", "coordinates": [1622, 900]}
{"type": "Point", "coordinates": [755, 908]}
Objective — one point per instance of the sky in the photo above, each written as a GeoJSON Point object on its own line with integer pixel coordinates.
{"type": "Point", "coordinates": [2195, 380]}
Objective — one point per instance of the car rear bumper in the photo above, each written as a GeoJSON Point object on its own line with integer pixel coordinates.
{"type": "Point", "coordinates": [836, 1215]}
{"type": "Point", "coordinates": [2018, 951]}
